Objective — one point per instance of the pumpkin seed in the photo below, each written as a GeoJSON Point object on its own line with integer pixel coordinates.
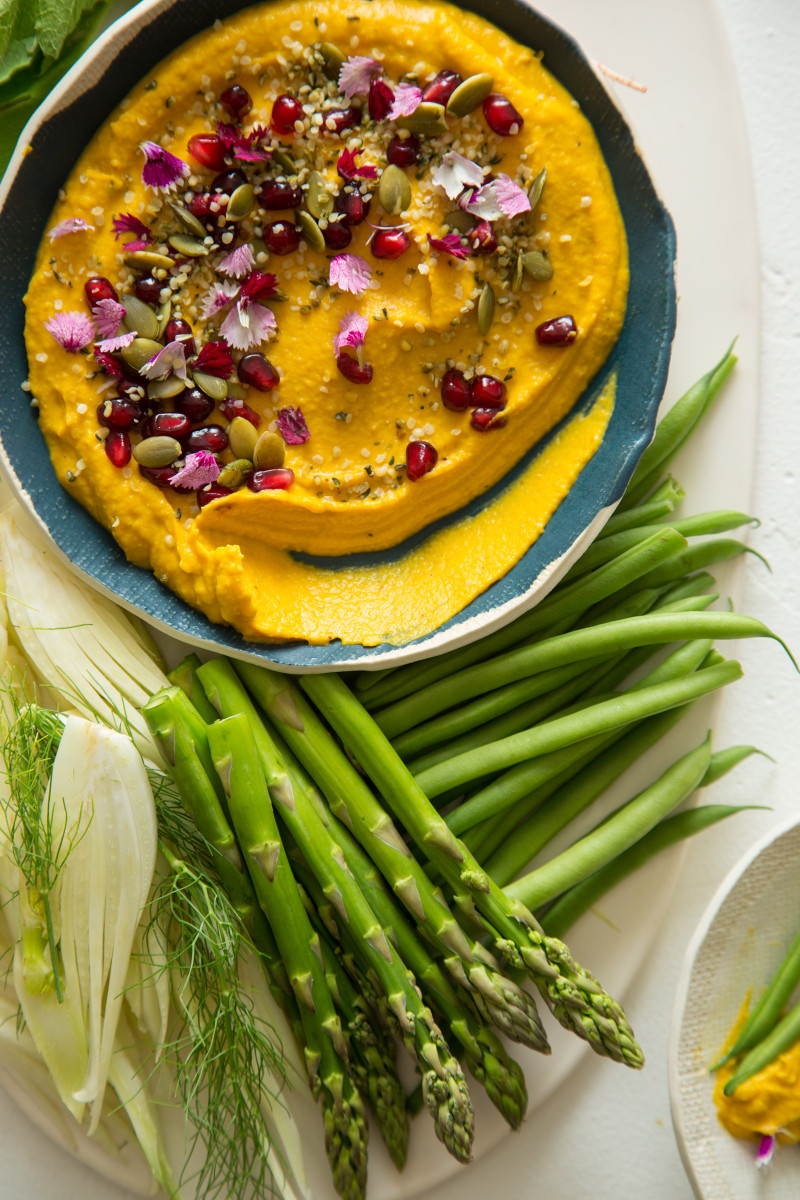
{"type": "Point", "coordinates": [215, 388]}
{"type": "Point", "coordinates": [236, 391]}
{"type": "Point", "coordinates": [240, 203]}
{"type": "Point", "coordinates": [486, 309]}
{"type": "Point", "coordinates": [394, 190]}
{"type": "Point", "coordinates": [189, 247]}
{"type": "Point", "coordinates": [319, 200]}
{"type": "Point", "coordinates": [140, 351]}
{"type": "Point", "coordinates": [537, 265]}
{"type": "Point", "coordinates": [332, 59]}
{"type": "Point", "coordinates": [149, 260]}
{"type": "Point", "coordinates": [157, 451]}
{"type": "Point", "coordinates": [139, 317]}
{"type": "Point", "coordinates": [460, 220]}
{"type": "Point", "coordinates": [284, 160]}
{"type": "Point", "coordinates": [259, 247]}
{"type": "Point", "coordinates": [163, 314]}
{"type": "Point", "coordinates": [427, 118]}
{"type": "Point", "coordinates": [242, 438]}
{"type": "Point", "coordinates": [233, 474]}
{"type": "Point", "coordinates": [165, 389]}
{"type": "Point", "coordinates": [310, 231]}
{"type": "Point", "coordinates": [536, 188]}
{"type": "Point", "coordinates": [188, 220]}
{"type": "Point", "coordinates": [519, 271]}
{"type": "Point", "coordinates": [469, 94]}
{"type": "Point", "coordinates": [269, 452]}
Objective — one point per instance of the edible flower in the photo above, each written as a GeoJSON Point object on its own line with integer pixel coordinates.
{"type": "Point", "coordinates": [107, 315]}
{"type": "Point", "coordinates": [349, 168]}
{"type": "Point", "coordinates": [407, 99]}
{"type": "Point", "coordinates": [128, 223]}
{"type": "Point", "coordinates": [499, 197]}
{"type": "Point", "coordinates": [172, 359]}
{"type": "Point", "coordinates": [214, 359]}
{"type": "Point", "coordinates": [72, 330]}
{"type": "Point", "coordinates": [238, 262]}
{"type": "Point", "coordinates": [451, 243]}
{"type": "Point", "coordinates": [161, 169]}
{"type": "Point", "coordinates": [221, 295]}
{"type": "Point", "coordinates": [457, 173]}
{"type": "Point", "coordinates": [357, 73]}
{"type": "Point", "coordinates": [70, 225]}
{"type": "Point", "coordinates": [352, 331]}
{"type": "Point", "coordinates": [198, 470]}
{"type": "Point", "coordinates": [766, 1149]}
{"type": "Point", "coordinates": [111, 345]}
{"type": "Point", "coordinates": [292, 426]}
{"type": "Point", "coordinates": [379, 99]}
{"type": "Point", "coordinates": [349, 272]}
{"type": "Point", "coordinates": [249, 322]}
{"type": "Point", "coordinates": [243, 145]}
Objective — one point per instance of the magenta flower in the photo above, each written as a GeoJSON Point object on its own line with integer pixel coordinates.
{"type": "Point", "coordinates": [766, 1149]}
{"type": "Point", "coordinates": [356, 75]}
{"type": "Point", "coordinates": [349, 272]}
{"type": "Point", "coordinates": [214, 359]}
{"type": "Point", "coordinates": [407, 99]}
{"type": "Point", "coordinates": [169, 361]}
{"type": "Point", "coordinates": [352, 331]}
{"type": "Point", "coordinates": [500, 197]}
{"type": "Point", "coordinates": [72, 330]}
{"type": "Point", "coordinates": [128, 223]}
{"type": "Point", "coordinates": [244, 146]}
{"type": "Point", "coordinates": [112, 344]}
{"type": "Point", "coordinates": [70, 225]}
{"type": "Point", "coordinates": [220, 296]}
{"type": "Point", "coordinates": [451, 243]}
{"type": "Point", "coordinates": [348, 167]}
{"type": "Point", "coordinates": [238, 262]}
{"type": "Point", "coordinates": [292, 426]}
{"type": "Point", "coordinates": [107, 315]}
{"type": "Point", "coordinates": [161, 169]}
{"type": "Point", "coordinates": [457, 173]}
{"type": "Point", "coordinates": [199, 469]}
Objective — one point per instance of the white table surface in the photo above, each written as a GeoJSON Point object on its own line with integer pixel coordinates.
{"type": "Point", "coordinates": [607, 1132]}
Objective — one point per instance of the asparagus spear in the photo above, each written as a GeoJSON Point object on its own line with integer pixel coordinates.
{"type": "Point", "coordinates": [575, 997]}
{"type": "Point", "coordinates": [254, 820]}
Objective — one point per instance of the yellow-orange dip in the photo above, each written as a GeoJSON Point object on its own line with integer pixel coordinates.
{"type": "Point", "coordinates": [350, 486]}
{"type": "Point", "coordinates": [768, 1103]}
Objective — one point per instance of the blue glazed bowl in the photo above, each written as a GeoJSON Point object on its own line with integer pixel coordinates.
{"type": "Point", "coordinates": [55, 137]}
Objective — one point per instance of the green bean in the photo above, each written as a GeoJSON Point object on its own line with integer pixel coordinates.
{"type": "Point", "coordinates": [674, 429]}
{"type": "Point", "coordinates": [692, 585]}
{"type": "Point", "coordinates": [654, 509]}
{"type": "Point", "coordinates": [572, 601]}
{"type": "Point", "coordinates": [784, 1035]}
{"type": "Point", "coordinates": [608, 638]}
{"type": "Point", "coordinates": [565, 911]}
{"type": "Point", "coordinates": [625, 826]}
{"type": "Point", "coordinates": [763, 1018]}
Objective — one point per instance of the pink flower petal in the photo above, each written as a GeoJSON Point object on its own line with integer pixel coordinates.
{"type": "Point", "coordinates": [292, 426]}
{"type": "Point", "coordinates": [72, 330]}
{"type": "Point", "coordinates": [407, 99]}
{"type": "Point", "coordinates": [220, 296]}
{"type": "Point", "coordinates": [766, 1149]}
{"type": "Point", "coordinates": [107, 315]}
{"type": "Point", "coordinates": [199, 469]}
{"type": "Point", "coordinates": [161, 169]}
{"type": "Point", "coordinates": [128, 223]}
{"type": "Point", "coordinates": [169, 361]}
{"type": "Point", "coordinates": [451, 243]}
{"type": "Point", "coordinates": [348, 167]}
{"type": "Point", "coordinates": [70, 225]}
{"type": "Point", "coordinates": [214, 359]}
{"type": "Point", "coordinates": [352, 331]}
{"type": "Point", "coordinates": [238, 262]}
{"type": "Point", "coordinates": [350, 273]}
{"type": "Point", "coordinates": [112, 344]}
{"type": "Point", "coordinates": [457, 173]}
{"type": "Point", "coordinates": [356, 75]}
{"type": "Point", "coordinates": [500, 197]}
{"type": "Point", "coordinates": [247, 325]}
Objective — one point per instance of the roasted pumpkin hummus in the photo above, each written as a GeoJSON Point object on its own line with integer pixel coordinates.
{"type": "Point", "coordinates": [322, 279]}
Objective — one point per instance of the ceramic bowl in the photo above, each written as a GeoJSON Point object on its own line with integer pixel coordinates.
{"type": "Point", "coordinates": [54, 138]}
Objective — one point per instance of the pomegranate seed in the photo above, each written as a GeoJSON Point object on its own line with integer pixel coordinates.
{"type": "Point", "coordinates": [200, 206]}
{"type": "Point", "coordinates": [352, 369]}
{"type": "Point", "coordinates": [336, 120]}
{"type": "Point", "coordinates": [379, 99]}
{"type": "Point", "coordinates": [177, 329]}
{"type": "Point", "coordinates": [258, 372]}
{"type": "Point", "coordinates": [390, 243]}
{"type": "Point", "coordinates": [285, 111]}
{"type": "Point", "coordinates": [98, 288]}
{"type": "Point", "coordinates": [160, 476]}
{"type": "Point", "coordinates": [403, 152]}
{"type": "Point", "coordinates": [337, 234]}
{"type": "Point", "coordinates": [281, 237]}
{"type": "Point", "coordinates": [118, 414]}
{"type": "Point", "coordinates": [118, 448]}
{"type": "Point", "coordinates": [278, 477]}
{"type": "Point", "coordinates": [558, 331]}
{"type": "Point", "coordinates": [237, 101]}
{"type": "Point", "coordinates": [238, 408]}
{"type": "Point", "coordinates": [279, 194]}
{"type": "Point", "coordinates": [209, 150]}
{"type": "Point", "coordinates": [227, 183]}
{"type": "Point", "coordinates": [194, 404]}
{"type": "Point", "coordinates": [421, 457]}
{"type": "Point", "coordinates": [131, 389]}
{"type": "Point", "coordinates": [212, 491]}
{"type": "Point", "coordinates": [148, 289]}
{"type": "Point", "coordinates": [488, 392]}
{"type": "Point", "coordinates": [171, 424]}
{"type": "Point", "coordinates": [210, 437]}
{"type": "Point", "coordinates": [486, 418]}
{"type": "Point", "coordinates": [456, 390]}
{"type": "Point", "coordinates": [353, 206]}
{"type": "Point", "coordinates": [501, 116]}
{"type": "Point", "coordinates": [440, 89]}
{"type": "Point", "coordinates": [481, 238]}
